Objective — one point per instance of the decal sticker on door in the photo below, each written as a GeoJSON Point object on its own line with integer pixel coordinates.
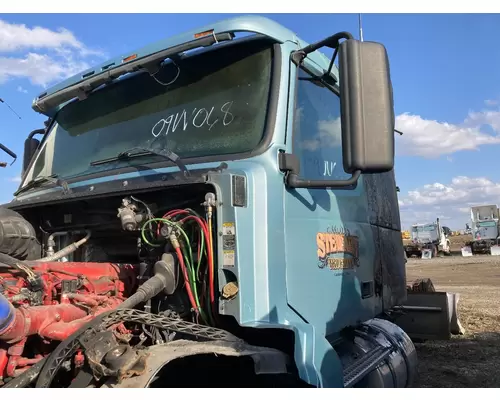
{"type": "Point", "coordinates": [337, 249]}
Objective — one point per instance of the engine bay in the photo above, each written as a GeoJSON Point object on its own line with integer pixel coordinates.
{"type": "Point", "coordinates": [137, 270]}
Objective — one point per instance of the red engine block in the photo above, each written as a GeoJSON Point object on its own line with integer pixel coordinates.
{"type": "Point", "coordinates": [73, 294]}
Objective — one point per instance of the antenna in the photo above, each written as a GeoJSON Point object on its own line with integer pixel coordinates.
{"type": "Point", "coordinates": [11, 109]}
{"type": "Point", "coordinates": [360, 27]}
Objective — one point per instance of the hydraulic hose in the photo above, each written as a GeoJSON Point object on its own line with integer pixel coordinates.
{"type": "Point", "coordinates": [27, 377]}
{"type": "Point", "coordinates": [67, 250]}
{"type": "Point", "coordinates": [146, 291]}
{"type": "Point", "coordinates": [11, 261]}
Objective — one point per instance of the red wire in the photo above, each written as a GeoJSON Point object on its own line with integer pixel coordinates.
{"type": "Point", "coordinates": [203, 224]}
{"type": "Point", "coordinates": [170, 214]}
{"type": "Point", "coordinates": [199, 245]}
{"type": "Point", "coordinates": [186, 279]}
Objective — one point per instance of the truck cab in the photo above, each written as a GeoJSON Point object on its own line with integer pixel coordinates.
{"type": "Point", "coordinates": [431, 236]}
{"type": "Point", "coordinates": [485, 231]}
{"type": "Point", "coordinates": [293, 156]}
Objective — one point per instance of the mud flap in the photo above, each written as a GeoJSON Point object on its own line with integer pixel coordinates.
{"type": "Point", "coordinates": [429, 315]}
{"type": "Point", "coordinates": [466, 251]}
{"type": "Point", "coordinates": [495, 250]}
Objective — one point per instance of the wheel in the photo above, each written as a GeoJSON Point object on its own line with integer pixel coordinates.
{"type": "Point", "coordinates": [448, 253]}
{"type": "Point", "coordinates": [434, 250]}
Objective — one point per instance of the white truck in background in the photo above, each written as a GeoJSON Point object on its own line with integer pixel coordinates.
{"type": "Point", "coordinates": [485, 231]}
{"type": "Point", "coordinates": [428, 238]}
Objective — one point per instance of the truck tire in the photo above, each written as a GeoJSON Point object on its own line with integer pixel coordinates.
{"type": "Point", "coordinates": [17, 236]}
{"type": "Point", "coordinates": [434, 250]}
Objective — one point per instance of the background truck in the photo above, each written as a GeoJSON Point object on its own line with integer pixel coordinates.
{"type": "Point", "coordinates": [485, 231]}
{"type": "Point", "coordinates": [432, 236]}
{"type": "Point", "coordinates": [213, 210]}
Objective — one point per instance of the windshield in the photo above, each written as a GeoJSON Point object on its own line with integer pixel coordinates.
{"type": "Point", "coordinates": [209, 104]}
{"type": "Point", "coordinates": [425, 228]}
{"type": "Point", "coordinates": [487, 224]}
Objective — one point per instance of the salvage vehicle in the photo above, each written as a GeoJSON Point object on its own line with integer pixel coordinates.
{"type": "Point", "coordinates": [432, 237]}
{"type": "Point", "coordinates": [485, 231]}
{"type": "Point", "coordinates": [219, 204]}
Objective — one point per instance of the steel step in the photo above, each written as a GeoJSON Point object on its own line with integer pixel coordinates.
{"type": "Point", "coordinates": [357, 370]}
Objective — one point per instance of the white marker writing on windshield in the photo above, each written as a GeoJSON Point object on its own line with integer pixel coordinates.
{"type": "Point", "coordinates": [198, 118]}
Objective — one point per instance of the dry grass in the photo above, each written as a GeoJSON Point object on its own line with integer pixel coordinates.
{"type": "Point", "coordinates": [471, 360]}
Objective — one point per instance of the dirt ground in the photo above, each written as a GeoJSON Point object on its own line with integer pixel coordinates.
{"type": "Point", "coordinates": [471, 360]}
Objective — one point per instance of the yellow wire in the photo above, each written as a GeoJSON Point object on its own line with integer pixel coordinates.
{"type": "Point", "coordinates": [211, 244]}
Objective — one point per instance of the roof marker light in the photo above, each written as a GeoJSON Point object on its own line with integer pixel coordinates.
{"type": "Point", "coordinates": [203, 34]}
{"type": "Point", "coordinates": [129, 58]}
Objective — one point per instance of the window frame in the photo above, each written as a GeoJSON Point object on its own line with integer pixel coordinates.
{"type": "Point", "coordinates": [309, 70]}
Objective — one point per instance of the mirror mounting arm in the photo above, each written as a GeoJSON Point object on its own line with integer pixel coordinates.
{"type": "Point", "coordinates": [289, 164]}
{"type": "Point", "coordinates": [9, 152]}
{"type": "Point", "coordinates": [332, 42]}
{"type": "Point", "coordinates": [294, 181]}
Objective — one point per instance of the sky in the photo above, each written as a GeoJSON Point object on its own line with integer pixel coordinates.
{"type": "Point", "coordinates": [445, 71]}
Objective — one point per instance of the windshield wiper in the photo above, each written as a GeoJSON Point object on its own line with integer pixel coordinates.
{"type": "Point", "coordinates": [44, 179]}
{"type": "Point", "coordinates": [140, 152]}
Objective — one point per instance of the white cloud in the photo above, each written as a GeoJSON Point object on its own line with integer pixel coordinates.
{"type": "Point", "coordinates": [21, 89]}
{"type": "Point", "coordinates": [40, 55]}
{"type": "Point", "coordinates": [16, 179]}
{"type": "Point", "coordinates": [39, 69]}
{"type": "Point", "coordinates": [491, 103]}
{"type": "Point", "coordinates": [328, 135]}
{"type": "Point", "coordinates": [448, 201]}
{"type": "Point", "coordinates": [431, 139]}
{"type": "Point", "coordinates": [15, 37]}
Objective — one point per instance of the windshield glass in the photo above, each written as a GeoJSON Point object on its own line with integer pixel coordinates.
{"type": "Point", "coordinates": [425, 228]}
{"type": "Point", "coordinates": [209, 104]}
{"type": "Point", "coordinates": [487, 224]}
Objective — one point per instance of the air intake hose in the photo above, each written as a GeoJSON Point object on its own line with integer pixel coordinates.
{"type": "Point", "coordinates": [163, 279]}
{"type": "Point", "coordinates": [7, 313]}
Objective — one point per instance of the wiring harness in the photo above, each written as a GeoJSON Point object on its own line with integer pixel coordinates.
{"type": "Point", "coordinates": [191, 237]}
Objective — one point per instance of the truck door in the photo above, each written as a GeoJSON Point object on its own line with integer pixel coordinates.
{"type": "Point", "coordinates": [330, 244]}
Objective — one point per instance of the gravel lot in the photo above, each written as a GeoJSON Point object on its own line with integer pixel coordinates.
{"type": "Point", "coordinates": [471, 360]}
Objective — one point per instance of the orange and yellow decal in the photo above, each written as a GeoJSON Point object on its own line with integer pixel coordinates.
{"type": "Point", "coordinates": [337, 249]}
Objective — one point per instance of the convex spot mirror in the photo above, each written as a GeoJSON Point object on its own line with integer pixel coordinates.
{"type": "Point", "coordinates": [367, 107]}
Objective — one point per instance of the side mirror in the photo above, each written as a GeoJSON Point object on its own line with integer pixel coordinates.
{"type": "Point", "coordinates": [367, 111]}
{"type": "Point", "coordinates": [367, 107]}
{"type": "Point", "coordinates": [30, 148]}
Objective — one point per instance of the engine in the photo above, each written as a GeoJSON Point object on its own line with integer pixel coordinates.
{"type": "Point", "coordinates": [98, 257]}
{"type": "Point", "coordinates": [50, 301]}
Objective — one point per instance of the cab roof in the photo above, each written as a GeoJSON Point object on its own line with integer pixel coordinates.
{"type": "Point", "coordinates": [78, 86]}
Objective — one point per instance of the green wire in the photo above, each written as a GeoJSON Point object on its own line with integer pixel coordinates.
{"type": "Point", "coordinates": [188, 259]}
{"type": "Point", "coordinates": [143, 235]}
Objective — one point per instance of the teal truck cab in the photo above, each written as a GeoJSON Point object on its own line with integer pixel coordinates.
{"type": "Point", "coordinates": [217, 207]}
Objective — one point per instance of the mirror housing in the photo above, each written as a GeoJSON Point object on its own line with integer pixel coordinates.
{"type": "Point", "coordinates": [367, 107]}
{"type": "Point", "coordinates": [30, 148]}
